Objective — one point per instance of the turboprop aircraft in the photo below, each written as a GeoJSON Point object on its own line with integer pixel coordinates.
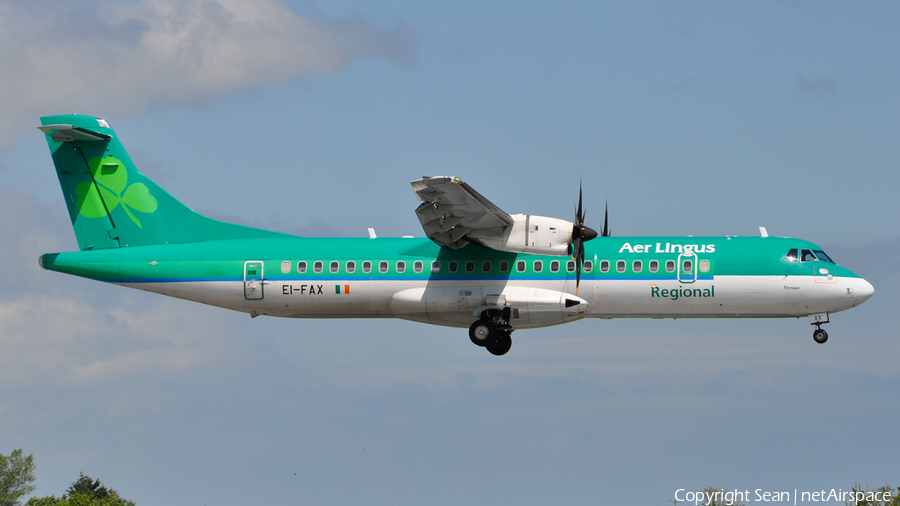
{"type": "Point", "coordinates": [478, 267]}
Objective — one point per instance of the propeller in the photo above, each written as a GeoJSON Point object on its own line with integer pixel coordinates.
{"type": "Point", "coordinates": [605, 232]}
{"type": "Point", "coordinates": [580, 234]}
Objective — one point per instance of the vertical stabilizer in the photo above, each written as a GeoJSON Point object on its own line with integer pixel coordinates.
{"type": "Point", "coordinates": [111, 203]}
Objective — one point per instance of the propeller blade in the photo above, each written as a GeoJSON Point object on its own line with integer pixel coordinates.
{"type": "Point", "coordinates": [605, 232]}
{"type": "Point", "coordinates": [579, 214]}
{"type": "Point", "coordinates": [577, 276]}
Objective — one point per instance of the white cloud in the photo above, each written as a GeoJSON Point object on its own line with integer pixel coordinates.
{"type": "Point", "coordinates": [61, 57]}
{"type": "Point", "coordinates": [60, 340]}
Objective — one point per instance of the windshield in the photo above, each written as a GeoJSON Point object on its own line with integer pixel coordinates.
{"type": "Point", "coordinates": [822, 256]}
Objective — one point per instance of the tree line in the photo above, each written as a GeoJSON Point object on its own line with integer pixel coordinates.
{"type": "Point", "coordinates": [17, 481]}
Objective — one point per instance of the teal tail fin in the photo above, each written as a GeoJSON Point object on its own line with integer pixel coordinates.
{"type": "Point", "coordinates": [113, 205]}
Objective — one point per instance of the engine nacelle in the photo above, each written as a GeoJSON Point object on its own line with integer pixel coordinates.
{"type": "Point", "coordinates": [529, 234]}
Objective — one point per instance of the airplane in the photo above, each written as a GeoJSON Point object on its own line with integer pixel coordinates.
{"type": "Point", "coordinates": [477, 268]}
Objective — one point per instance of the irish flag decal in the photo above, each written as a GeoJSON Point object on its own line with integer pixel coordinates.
{"type": "Point", "coordinates": [337, 289]}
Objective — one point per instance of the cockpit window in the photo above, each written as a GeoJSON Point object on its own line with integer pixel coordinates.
{"type": "Point", "coordinates": [822, 256]}
{"type": "Point", "coordinates": [807, 255]}
{"type": "Point", "coordinates": [792, 255]}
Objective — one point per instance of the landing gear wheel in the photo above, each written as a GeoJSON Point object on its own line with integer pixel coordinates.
{"type": "Point", "coordinates": [480, 332]}
{"type": "Point", "coordinates": [820, 336]}
{"type": "Point", "coordinates": [500, 344]}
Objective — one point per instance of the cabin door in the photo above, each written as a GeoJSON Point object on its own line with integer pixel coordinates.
{"type": "Point", "coordinates": [253, 279]}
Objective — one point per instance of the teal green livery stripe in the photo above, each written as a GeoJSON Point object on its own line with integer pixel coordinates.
{"type": "Point", "coordinates": [223, 260]}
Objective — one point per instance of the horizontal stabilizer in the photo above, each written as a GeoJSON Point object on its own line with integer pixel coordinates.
{"type": "Point", "coordinates": [69, 133]}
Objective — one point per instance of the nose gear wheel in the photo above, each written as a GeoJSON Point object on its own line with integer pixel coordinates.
{"type": "Point", "coordinates": [820, 336]}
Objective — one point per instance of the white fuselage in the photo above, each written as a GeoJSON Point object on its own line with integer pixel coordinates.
{"type": "Point", "coordinates": [535, 304]}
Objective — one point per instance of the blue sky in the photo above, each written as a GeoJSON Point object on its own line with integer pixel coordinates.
{"type": "Point", "coordinates": [692, 117]}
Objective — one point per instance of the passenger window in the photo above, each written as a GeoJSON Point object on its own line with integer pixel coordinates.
{"type": "Point", "coordinates": [382, 266]}
{"type": "Point", "coordinates": [285, 267]}
{"type": "Point", "coordinates": [620, 266]}
{"type": "Point", "coordinates": [435, 266]}
{"type": "Point", "coordinates": [351, 267]}
{"type": "Point", "coordinates": [704, 265]}
{"type": "Point", "coordinates": [334, 266]}
{"type": "Point", "coordinates": [806, 256]}
{"type": "Point", "coordinates": [486, 266]}
{"type": "Point", "coordinates": [538, 266]}
{"type": "Point", "coordinates": [417, 267]}
{"type": "Point", "coordinates": [520, 266]}
{"type": "Point", "coordinates": [588, 266]}
{"type": "Point", "coordinates": [453, 265]}
{"type": "Point", "coordinates": [604, 266]}
{"type": "Point", "coordinates": [367, 266]}
{"type": "Point", "coordinates": [317, 267]}
{"type": "Point", "coordinates": [822, 256]}
{"type": "Point", "coordinates": [670, 265]}
{"type": "Point", "coordinates": [401, 266]}
{"type": "Point", "coordinates": [301, 267]}
{"type": "Point", "coordinates": [654, 265]}
{"type": "Point", "coordinates": [570, 266]}
{"type": "Point", "coordinates": [470, 266]}
{"type": "Point", "coordinates": [637, 265]}
{"type": "Point", "coordinates": [504, 266]}
{"type": "Point", "coordinates": [688, 266]}
{"type": "Point", "coordinates": [791, 255]}
{"type": "Point", "coordinates": [554, 266]}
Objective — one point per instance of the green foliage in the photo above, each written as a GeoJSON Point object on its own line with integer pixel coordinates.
{"type": "Point", "coordinates": [85, 491]}
{"type": "Point", "coordinates": [875, 497]}
{"type": "Point", "coordinates": [50, 500]}
{"type": "Point", "coordinates": [16, 477]}
{"type": "Point", "coordinates": [85, 486]}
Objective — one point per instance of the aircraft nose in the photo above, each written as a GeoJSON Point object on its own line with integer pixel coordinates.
{"type": "Point", "coordinates": [863, 290]}
{"type": "Point", "coordinates": [868, 290]}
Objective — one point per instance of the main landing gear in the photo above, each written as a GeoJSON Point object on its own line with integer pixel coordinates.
{"type": "Point", "coordinates": [492, 331]}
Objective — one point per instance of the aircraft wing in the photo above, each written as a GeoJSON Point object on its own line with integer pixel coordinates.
{"type": "Point", "coordinates": [451, 210]}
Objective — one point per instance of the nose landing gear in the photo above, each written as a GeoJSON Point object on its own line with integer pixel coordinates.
{"type": "Point", "coordinates": [819, 335]}
{"type": "Point", "coordinates": [493, 331]}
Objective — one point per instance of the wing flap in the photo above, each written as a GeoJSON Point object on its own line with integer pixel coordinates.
{"type": "Point", "coordinates": [450, 209]}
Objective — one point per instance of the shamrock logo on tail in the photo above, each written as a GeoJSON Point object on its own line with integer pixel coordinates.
{"type": "Point", "coordinates": [98, 198]}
